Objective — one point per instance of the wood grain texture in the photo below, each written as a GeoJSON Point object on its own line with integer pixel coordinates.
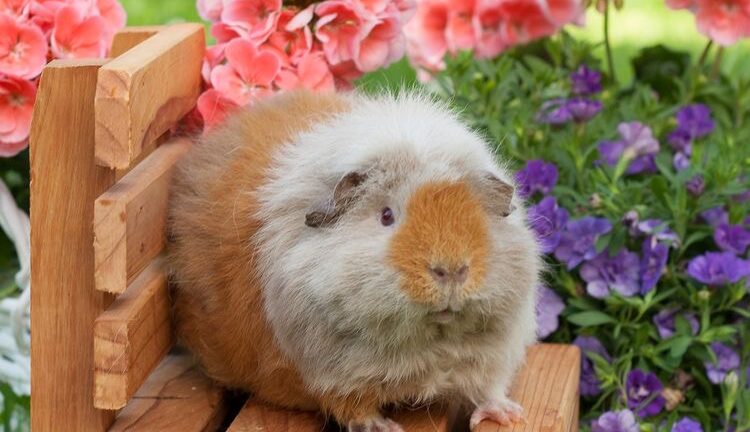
{"type": "Point", "coordinates": [131, 337]}
{"type": "Point", "coordinates": [177, 397]}
{"type": "Point", "coordinates": [256, 417]}
{"type": "Point", "coordinates": [130, 219]}
{"type": "Point", "coordinates": [434, 418]}
{"type": "Point", "coordinates": [65, 181]}
{"type": "Point", "coordinates": [145, 91]}
{"type": "Point", "coordinates": [131, 36]}
{"type": "Point", "coordinates": [547, 388]}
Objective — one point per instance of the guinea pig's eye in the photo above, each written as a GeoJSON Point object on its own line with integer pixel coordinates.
{"type": "Point", "coordinates": [386, 217]}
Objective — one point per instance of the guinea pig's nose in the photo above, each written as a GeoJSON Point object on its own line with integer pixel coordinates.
{"type": "Point", "coordinates": [445, 276]}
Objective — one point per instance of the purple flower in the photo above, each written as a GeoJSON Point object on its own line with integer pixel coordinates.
{"type": "Point", "coordinates": [536, 176]}
{"type": "Point", "coordinates": [680, 140]}
{"type": "Point", "coordinates": [718, 268]}
{"type": "Point", "coordinates": [616, 421]}
{"type": "Point", "coordinates": [605, 273]}
{"type": "Point", "coordinates": [578, 240]}
{"type": "Point", "coordinates": [643, 391]}
{"type": "Point", "coordinates": [547, 219]}
{"type": "Point", "coordinates": [695, 185]}
{"type": "Point", "coordinates": [655, 229]}
{"type": "Point", "coordinates": [549, 305]}
{"type": "Point", "coordinates": [686, 424]}
{"type": "Point", "coordinates": [586, 81]}
{"type": "Point", "coordinates": [727, 360]}
{"type": "Point", "coordinates": [637, 143]}
{"type": "Point", "coordinates": [696, 120]}
{"type": "Point", "coordinates": [681, 161]}
{"type": "Point", "coordinates": [732, 238]}
{"type": "Point", "coordinates": [560, 111]}
{"type": "Point", "coordinates": [653, 260]}
{"type": "Point", "coordinates": [715, 216]}
{"type": "Point", "coordinates": [590, 385]}
{"type": "Point", "coordinates": [665, 322]}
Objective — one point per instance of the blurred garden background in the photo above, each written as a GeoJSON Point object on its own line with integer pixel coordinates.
{"type": "Point", "coordinates": [654, 171]}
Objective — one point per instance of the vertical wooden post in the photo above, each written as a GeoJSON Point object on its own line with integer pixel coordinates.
{"type": "Point", "coordinates": [65, 181]}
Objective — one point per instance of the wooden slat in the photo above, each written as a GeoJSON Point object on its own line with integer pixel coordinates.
{"type": "Point", "coordinates": [177, 397]}
{"type": "Point", "coordinates": [130, 219]}
{"type": "Point", "coordinates": [547, 388]}
{"type": "Point", "coordinates": [131, 36]}
{"type": "Point", "coordinates": [145, 91]}
{"type": "Point", "coordinates": [435, 418]}
{"type": "Point", "coordinates": [256, 417]}
{"type": "Point", "coordinates": [65, 181]}
{"type": "Point", "coordinates": [131, 337]}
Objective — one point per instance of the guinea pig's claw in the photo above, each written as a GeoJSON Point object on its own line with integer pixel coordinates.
{"type": "Point", "coordinates": [504, 412]}
{"type": "Point", "coordinates": [374, 424]}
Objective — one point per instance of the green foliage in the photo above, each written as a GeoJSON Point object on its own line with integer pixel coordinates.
{"type": "Point", "coordinates": [501, 98]}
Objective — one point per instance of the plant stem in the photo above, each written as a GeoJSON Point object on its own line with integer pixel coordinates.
{"type": "Point", "coordinates": [607, 45]}
{"type": "Point", "coordinates": [704, 54]}
{"type": "Point", "coordinates": [717, 63]}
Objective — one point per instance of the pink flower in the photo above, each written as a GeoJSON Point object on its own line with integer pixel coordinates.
{"type": "Point", "coordinates": [293, 38]}
{"type": "Point", "coordinates": [339, 29]}
{"type": "Point", "coordinates": [223, 32]}
{"type": "Point", "coordinates": [210, 10]}
{"type": "Point", "coordinates": [113, 14]}
{"type": "Point", "coordinates": [23, 48]}
{"type": "Point", "coordinates": [524, 21]}
{"type": "Point", "coordinates": [214, 107]}
{"type": "Point", "coordinates": [724, 21]}
{"type": "Point", "coordinates": [213, 57]}
{"type": "Point", "coordinates": [383, 44]}
{"type": "Point", "coordinates": [681, 4]}
{"type": "Point", "coordinates": [344, 74]}
{"type": "Point", "coordinates": [248, 73]}
{"type": "Point", "coordinates": [15, 8]}
{"type": "Point", "coordinates": [425, 33]}
{"type": "Point", "coordinates": [460, 28]}
{"type": "Point", "coordinates": [311, 73]}
{"type": "Point", "coordinates": [488, 21]}
{"type": "Point", "coordinates": [252, 19]}
{"type": "Point", "coordinates": [16, 106]}
{"type": "Point", "coordinates": [77, 35]}
{"type": "Point", "coordinates": [562, 12]}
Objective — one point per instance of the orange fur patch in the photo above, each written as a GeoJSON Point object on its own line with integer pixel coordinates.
{"type": "Point", "coordinates": [445, 226]}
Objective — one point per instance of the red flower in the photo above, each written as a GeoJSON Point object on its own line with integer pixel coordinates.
{"type": "Point", "coordinates": [724, 21]}
{"type": "Point", "coordinates": [214, 107]}
{"type": "Point", "coordinates": [248, 73]}
{"type": "Point", "coordinates": [77, 35]}
{"type": "Point", "coordinates": [16, 106]}
{"type": "Point", "coordinates": [252, 19]}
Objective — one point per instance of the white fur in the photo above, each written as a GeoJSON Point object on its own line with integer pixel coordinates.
{"type": "Point", "coordinates": [331, 297]}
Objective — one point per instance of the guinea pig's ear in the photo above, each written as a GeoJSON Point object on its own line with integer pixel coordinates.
{"type": "Point", "coordinates": [497, 194]}
{"type": "Point", "coordinates": [345, 194]}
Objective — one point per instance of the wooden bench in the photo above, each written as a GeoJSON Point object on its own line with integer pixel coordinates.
{"type": "Point", "coordinates": [102, 339]}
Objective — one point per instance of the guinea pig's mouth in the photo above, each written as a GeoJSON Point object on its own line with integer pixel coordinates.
{"type": "Point", "coordinates": [444, 316]}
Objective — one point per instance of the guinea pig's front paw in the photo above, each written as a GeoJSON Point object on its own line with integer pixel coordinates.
{"type": "Point", "coordinates": [503, 411]}
{"type": "Point", "coordinates": [374, 424]}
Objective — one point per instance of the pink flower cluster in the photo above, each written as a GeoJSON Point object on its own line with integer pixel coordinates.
{"type": "Point", "coordinates": [31, 33]}
{"type": "Point", "coordinates": [723, 21]}
{"type": "Point", "coordinates": [488, 27]}
{"type": "Point", "coordinates": [263, 47]}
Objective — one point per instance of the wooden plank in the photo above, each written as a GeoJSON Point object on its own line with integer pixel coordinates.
{"type": "Point", "coordinates": [547, 388]}
{"type": "Point", "coordinates": [131, 337]}
{"type": "Point", "coordinates": [257, 417]}
{"type": "Point", "coordinates": [131, 36]}
{"type": "Point", "coordinates": [65, 181]}
{"type": "Point", "coordinates": [130, 219]}
{"type": "Point", "coordinates": [434, 418]}
{"type": "Point", "coordinates": [145, 91]}
{"type": "Point", "coordinates": [177, 397]}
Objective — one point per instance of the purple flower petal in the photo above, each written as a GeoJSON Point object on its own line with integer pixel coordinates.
{"type": "Point", "coordinates": [654, 259]}
{"type": "Point", "coordinates": [695, 185]}
{"type": "Point", "coordinates": [681, 161]}
{"type": "Point", "coordinates": [586, 81]}
{"type": "Point", "coordinates": [547, 219]}
{"type": "Point", "coordinates": [715, 216]}
{"type": "Point", "coordinates": [643, 391]}
{"type": "Point", "coordinates": [732, 238]}
{"type": "Point", "coordinates": [718, 268]}
{"type": "Point", "coordinates": [665, 322]}
{"type": "Point", "coordinates": [616, 421]}
{"type": "Point", "coordinates": [536, 176]}
{"type": "Point", "coordinates": [549, 306]}
{"type": "Point", "coordinates": [619, 273]}
{"type": "Point", "coordinates": [727, 360]}
{"type": "Point", "coordinates": [578, 240]}
{"type": "Point", "coordinates": [590, 385]}
{"type": "Point", "coordinates": [686, 424]}
{"type": "Point", "coordinates": [695, 120]}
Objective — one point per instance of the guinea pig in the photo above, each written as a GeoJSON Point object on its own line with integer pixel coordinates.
{"type": "Point", "coordinates": [344, 252]}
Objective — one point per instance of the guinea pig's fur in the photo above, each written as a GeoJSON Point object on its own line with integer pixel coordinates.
{"type": "Point", "coordinates": [290, 285]}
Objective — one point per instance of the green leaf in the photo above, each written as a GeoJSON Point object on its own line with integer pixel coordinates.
{"type": "Point", "coordinates": [590, 318]}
